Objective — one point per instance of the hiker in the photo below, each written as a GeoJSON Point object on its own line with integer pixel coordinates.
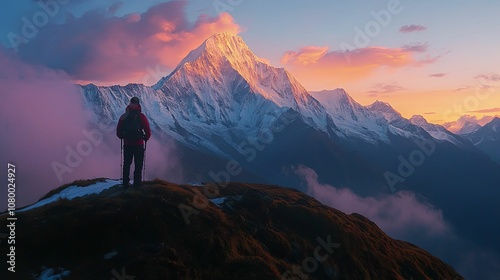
{"type": "Point", "coordinates": [133, 128]}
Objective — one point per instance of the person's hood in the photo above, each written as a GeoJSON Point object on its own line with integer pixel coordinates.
{"type": "Point", "coordinates": [131, 107]}
{"type": "Point", "coordinates": [134, 107]}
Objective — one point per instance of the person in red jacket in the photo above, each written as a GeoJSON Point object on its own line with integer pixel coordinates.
{"type": "Point", "coordinates": [133, 146]}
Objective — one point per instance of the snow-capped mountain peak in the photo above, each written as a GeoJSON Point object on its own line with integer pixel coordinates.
{"type": "Point", "coordinates": [222, 45]}
{"type": "Point", "coordinates": [219, 48]}
{"type": "Point", "coordinates": [419, 120]}
{"type": "Point", "coordinates": [468, 127]}
{"type": "Point", "coordinates": [467, 124]}
{"type": "Point", "coordinates": [385, 109]}
{"type": "Point", "coordinates": [352, 119]}
{"type": "Point", "coordinates": [489, 129]}
{"type": "Point", "coordinates": [437, 131]}
{"type": "Point", "coordinates": [337, 98]}
{"type": "Point", "coordinates": [226, 80]}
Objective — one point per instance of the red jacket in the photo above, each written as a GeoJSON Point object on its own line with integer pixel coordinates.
{"type": "Point", "coordinates": [144, 125]}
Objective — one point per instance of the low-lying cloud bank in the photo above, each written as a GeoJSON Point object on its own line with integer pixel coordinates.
{"type": "Point", "coordinates": [405, 217]}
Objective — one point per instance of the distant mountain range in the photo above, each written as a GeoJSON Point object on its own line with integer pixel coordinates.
{"type": "Point", "coordinates": [223, 105]}
{"type": "Point", "coordinates": [467, 124]}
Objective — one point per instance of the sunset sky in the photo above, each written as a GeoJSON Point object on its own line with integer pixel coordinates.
{"type": "Point", "coordinates": [440, 60]}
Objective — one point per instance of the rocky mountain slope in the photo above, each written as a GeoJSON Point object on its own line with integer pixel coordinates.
{"type": "Point", "coordinates": [95, 229]}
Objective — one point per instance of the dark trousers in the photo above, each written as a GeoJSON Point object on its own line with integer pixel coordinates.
{"type": "Point", "coordinates": [135, 152]}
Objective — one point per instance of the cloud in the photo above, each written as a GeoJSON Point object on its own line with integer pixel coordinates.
{"type": "Point", "coordinates": [380, 88]}
{"type": "Point", "coordinates": [43, 113]}
{"type": "Point", "coordinates": [490, 110]}
{"type": "Point", "coordinates": [305, 56]}
{"type": "Point", "coordinates": [412, 28]}
{"type": "Point", "coordinates": [359, 58]}
{"type": "Point", "coordinates": [428, 59]}
{"type": "Point", "coordinates": [463, 88]}
{"type": "Point", "coordinates": [418, 48]}
{"type": "Point", "coordinates": [115, 7]}
{"type": "Point", "coordinates": [438, 75]}
{"type": "Point", "coordinates": [430, 113]}
{"type": "Point", "coordinates": [490, 88]}
{"type": "Point", "coordinates": [108, 49]}
{"type": "Point", "coordinates": [397, 214]}
{"type": "Point", "coordinates": [489, 77]}
{"type": "Point", "coordinates": [316, 63]}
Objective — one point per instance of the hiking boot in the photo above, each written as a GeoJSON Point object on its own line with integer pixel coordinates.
{"type": "Point", "coordinates": [126, 185]}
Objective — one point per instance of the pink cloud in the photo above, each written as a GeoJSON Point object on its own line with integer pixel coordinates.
{"type": "Point", "coordinates": [108, 50]}
{"type": "Point", "coordinates": [384, 89]}
{"type": "Point", "coordinates": [396, 214]}
{"type": "Point", "coordinates": [370, 56]}
{"type": "Point", "coordinates": [417, 48]}
{"type": "Point", "coordinates": [313, 63]}
{"type": "Point", "coordinates": [43, 113]}
{"type": "Point", "coordinates": [438, 75]}
{"type": "Point", "coordinates": [490, 110]}
{"type": "Point", "coordinates": [490, 88]}
{"type": "Point", "coordinates": [305, 56]}
{"type": "Point", "coordinates": [489, 77]}
{"type": "Point", "coordinates": [412, 28]}
{"type": "Point", "coordinates": [427, 60]}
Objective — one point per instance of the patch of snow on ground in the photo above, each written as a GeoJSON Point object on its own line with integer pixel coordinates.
{"type": "Point", "coordinates": [219, 201]}
{"type": "Point", "coordinates": [74, 192]}
{"type": "Point", "coordinates": [48, 274]}
{"type": "Point", "coordinates": [110, 255]}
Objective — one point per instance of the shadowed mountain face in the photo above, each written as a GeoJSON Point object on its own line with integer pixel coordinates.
{"type": "Point", "coordinates": [169, 231]}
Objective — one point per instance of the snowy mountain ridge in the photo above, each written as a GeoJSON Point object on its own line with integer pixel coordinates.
{"type": "Point", "coordinates": [437, 131]}
{"type": "Point", "coordinates": [467, 124]}
{"type": "Point", "coordinates": [397, 124]}
{"type": "Point", "coordinates": [353, 119]}
{"type": "Point", "coordinates": [221, 90]}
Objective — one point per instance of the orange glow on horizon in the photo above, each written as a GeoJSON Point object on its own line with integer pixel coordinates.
{"type": "Point", "coordinates": [439, 106]}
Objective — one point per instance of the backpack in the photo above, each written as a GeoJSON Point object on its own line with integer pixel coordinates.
{"type": "Point", "coordinates": [131, 127]}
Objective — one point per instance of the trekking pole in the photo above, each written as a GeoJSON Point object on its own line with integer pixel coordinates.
{"type": "Point", "coordinates": [144, 163]}
{"type": "Point", "coordinates": [121, 161]}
